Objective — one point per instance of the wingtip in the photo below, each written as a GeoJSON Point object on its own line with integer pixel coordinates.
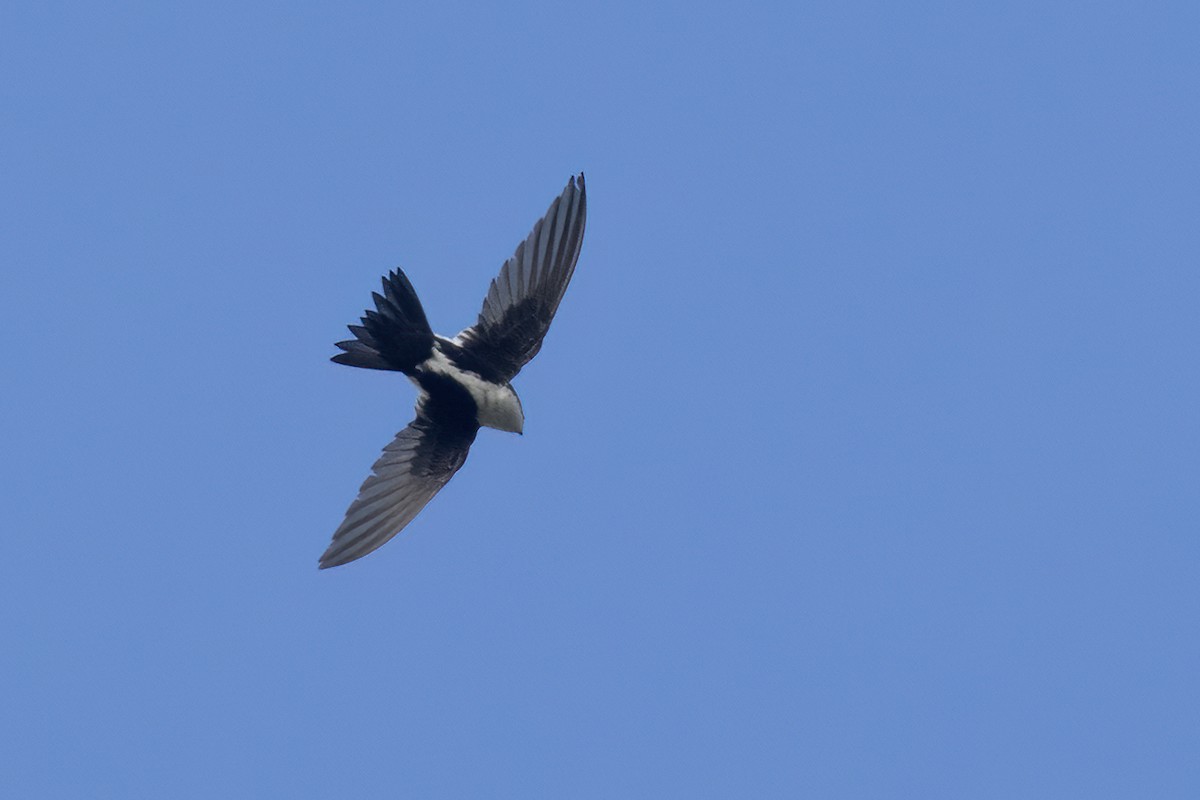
{"type": "Point", "coordinates": [337, 555]}
{"type": "Point", "coordinates": [327, 560]}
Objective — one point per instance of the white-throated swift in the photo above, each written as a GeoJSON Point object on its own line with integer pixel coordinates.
{"type": "Point", "coordinates": [464, 382]}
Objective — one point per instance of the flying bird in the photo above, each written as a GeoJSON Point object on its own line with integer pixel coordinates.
{"type": "Point", "coordinates": [463, 382]}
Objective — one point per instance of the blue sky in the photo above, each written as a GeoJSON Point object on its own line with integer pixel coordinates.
{"type": "Point", "coordinates": [861, 460]}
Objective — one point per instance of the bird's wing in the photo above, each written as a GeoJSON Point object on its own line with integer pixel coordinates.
{"type": "Point", "coordinates": [523, 298]}
{"type": "Point", "coordinates": [413, 468]}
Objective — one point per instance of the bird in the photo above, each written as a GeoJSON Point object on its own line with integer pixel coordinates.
{"type": "Point", "coordinates": [463, 382]}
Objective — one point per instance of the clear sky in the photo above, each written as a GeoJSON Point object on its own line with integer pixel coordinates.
{"type": "Point", "coordinates": [862, 460]}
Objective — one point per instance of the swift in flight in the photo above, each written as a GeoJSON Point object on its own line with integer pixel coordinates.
{"type": "Point", "coordinates": [464, 382]}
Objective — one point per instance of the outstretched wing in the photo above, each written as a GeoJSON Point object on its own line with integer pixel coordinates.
{"type": "Point", "coordinates": [523, 298]}
{"type": "Point", "coordinates": [413, 468]}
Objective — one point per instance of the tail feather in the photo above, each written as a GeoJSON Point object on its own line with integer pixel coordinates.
{"type": "Point", "coordinates": [395, 336]}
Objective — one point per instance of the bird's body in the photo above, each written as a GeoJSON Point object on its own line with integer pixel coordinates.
{"type": "Point", "coordinates": [496, 404]}
{"type": "Point", "coordinates": [463, 382]}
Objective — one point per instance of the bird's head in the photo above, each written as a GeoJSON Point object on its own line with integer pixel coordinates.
{"type": "Point", "coordinates": [502, 410]}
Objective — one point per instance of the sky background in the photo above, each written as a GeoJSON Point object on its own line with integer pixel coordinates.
{"type": "Point", "coordinates": [862, 459]}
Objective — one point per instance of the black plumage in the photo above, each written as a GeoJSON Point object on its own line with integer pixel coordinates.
{"type": "Point", "coordinates": [395, 336]}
